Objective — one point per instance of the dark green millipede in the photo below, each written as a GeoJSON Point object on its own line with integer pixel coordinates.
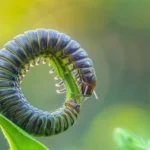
{"type": "Point", "coordinates": [73, 68]}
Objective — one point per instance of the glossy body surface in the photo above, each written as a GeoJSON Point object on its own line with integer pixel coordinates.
{"type": "Point", "coordinates": [27, 50]}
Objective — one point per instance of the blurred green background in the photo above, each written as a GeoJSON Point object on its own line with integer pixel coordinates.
{"type": "Point", "coordinates": [116, 35]}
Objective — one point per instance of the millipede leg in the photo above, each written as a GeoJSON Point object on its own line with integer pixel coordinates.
{"type": "Point", "coordinates": [79, 83]}
{"type": "Point", "coordinates": [49, 64]}
{"type": "Point", "coordinates": [27, 68]}
{"type": "Point", "coordinates": [38, 61]}
{"type": "Point", "coordinates": [84, 99]}
{"type": "Point", "coordinates": [44, 61]}
{"type": "Point", "coordinates": [61, 91]}
{"type": "Point", "coordinates": [33, 63]}
{"type": "Point", "coordinates": [52, 71]}
{"type": "Point", "coordinates": [59, 84]}
{"type": "Point", "coordinates": [24, 73]}
{"type": "Point", "coordinates": [20, 78]}
{"type": "Point", "coordinates": [56, 78]}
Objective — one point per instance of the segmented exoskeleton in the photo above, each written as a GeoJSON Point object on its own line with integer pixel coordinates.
{"type": "Point", "coordinates": [30, 49]}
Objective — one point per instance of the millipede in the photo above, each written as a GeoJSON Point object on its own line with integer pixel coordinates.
{"type": "Point", "coordinates": [73, 68]}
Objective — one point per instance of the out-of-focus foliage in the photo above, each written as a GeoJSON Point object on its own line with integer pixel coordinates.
{"type": "Point", "coordinates": [126, 140]}
{"type": "Point", "coordinates": [116, 35]}
{"type": "Point", "coordinates": [100, 132]}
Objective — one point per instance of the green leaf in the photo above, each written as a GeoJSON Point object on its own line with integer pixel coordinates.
{"type": "Point", "coordinates": [17, 138]}
{"type": "Point", "coordinates": [129, 141]}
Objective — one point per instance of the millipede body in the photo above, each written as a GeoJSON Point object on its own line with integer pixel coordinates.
{"type": "Point", "coordinates": [73, 68]}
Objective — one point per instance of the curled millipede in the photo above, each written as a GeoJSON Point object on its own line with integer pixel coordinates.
{"type": "Point", "coordinates": [29, 49]}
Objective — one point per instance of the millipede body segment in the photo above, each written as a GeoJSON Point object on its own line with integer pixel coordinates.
{"type": "Point", "coordinates": [73, 68]}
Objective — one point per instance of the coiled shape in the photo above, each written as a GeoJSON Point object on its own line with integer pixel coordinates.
{"type": "Point", "coordinates": [71, 64]}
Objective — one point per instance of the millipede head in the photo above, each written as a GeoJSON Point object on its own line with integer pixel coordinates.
{"type": "Point", "coordinates": [87, 90]}
{"type": "Point", "coordinates": [73, 105]}
{"type": "Point", "coordinates": [88, 85]}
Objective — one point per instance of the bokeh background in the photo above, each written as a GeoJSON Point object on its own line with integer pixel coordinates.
{"type": "Point", "coordinates": [116, 35]}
